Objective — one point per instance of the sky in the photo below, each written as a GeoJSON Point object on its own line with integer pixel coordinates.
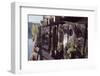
{"type": "Point", "coordinates": [35, 19]}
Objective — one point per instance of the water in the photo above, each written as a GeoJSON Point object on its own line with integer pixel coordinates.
{"type": "Point", "coordinates": [30, 48]}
